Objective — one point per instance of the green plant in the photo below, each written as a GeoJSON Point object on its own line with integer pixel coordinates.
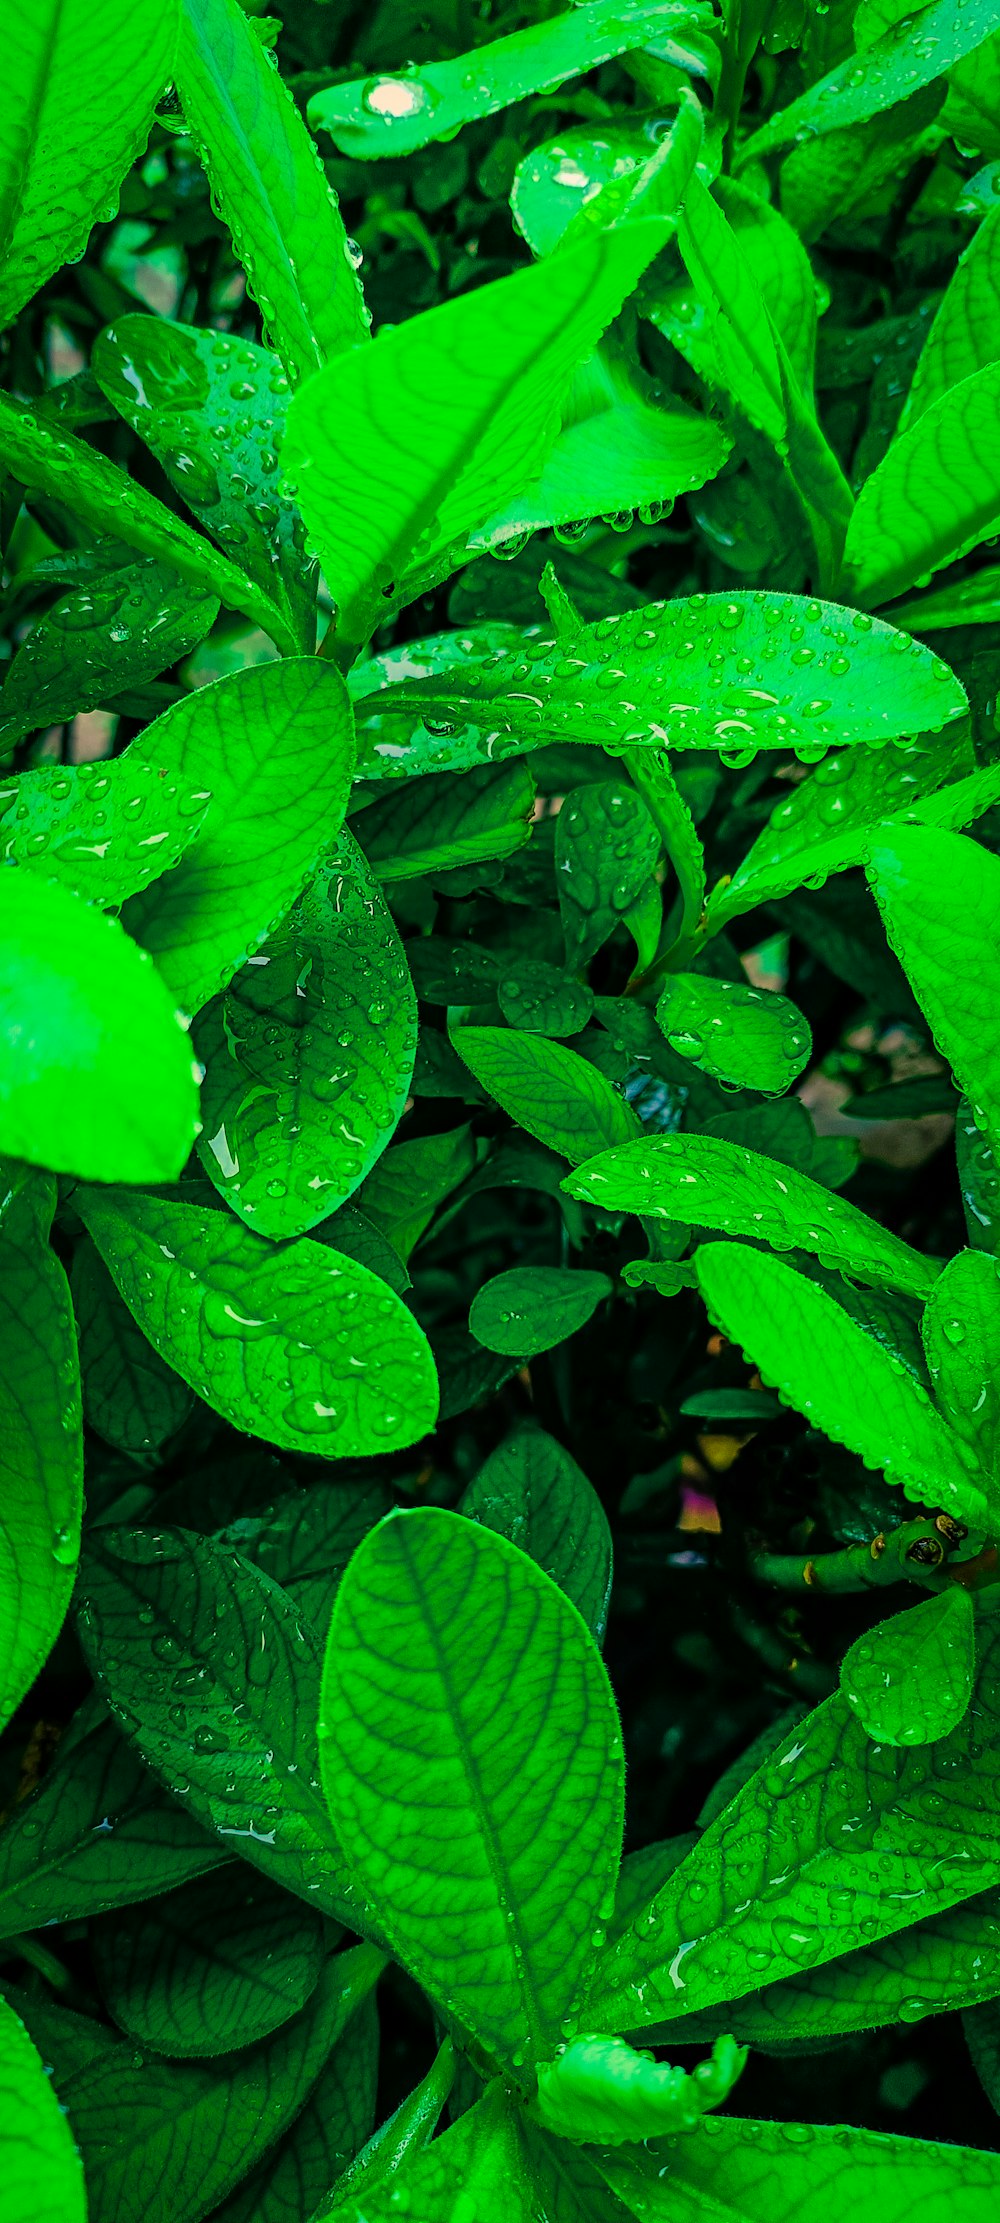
{"type": "Point", "coordinates": [523, 791]}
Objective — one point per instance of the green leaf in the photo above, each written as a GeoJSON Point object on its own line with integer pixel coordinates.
{"type": "Point", "coordinates": [826, 1366]}
{"type": "Point", "coordinates": [757, 368]}
{"type": "Point", "coordinates": [96, 1076]}
{"type": "Point", "coordinates": [939, 895]}
{"type": "Point", "coordinates": [792, 674]}
{"type": "Point", "coordinates": [781, 272]}
{"type": "Point", "coordinates": [99, 640]}
{"type": "Point", "coordinates": [825, 824]}
{"type": "Point", "coordinates": [706, 1181]}
{"type": "Point", "coordinates": [309, 1054]}
{"type": "Point", "coordinates": [553, 1093]}
{"type": "Point", "coordinates": [305, 1541]}
{"type": "Point", "coordinates": [411, 1180]}
{"type": "Point", "coordinates": [98, 494]}
{"type": "Point", "coordinates": [400, 2139]}
{"type": "Point", "coordinates": [532, 1308]}
{"type": "Point", "coordinates": [105, 829]}
{"type": "Point", "coordinates": [130, 1396]}
{"type": "Point", "coordinates": [212, 410]}
{"type": "Point", "coordinates": [386, 115]}
{"type": "Point", "coordinates": [541, 1000]}
{"type": "Point", "coordinates": [295, 2178]}
{"type": "Point", "coordinates": [750, 1037]}
{"type": "Point", "coordinates": [935, 495]}
{"type": "Point", "coordinates": [971, 601]}
{"type": "Point", "coordinates": [963, 337]}
{"type": "Point", "coordinates": [606, 848]}
{"type": "Point", "coordinates": [273, 745]}
{"type": "Point", "coordinates": [834, 1842]}
{"type": "Point", "coordinates": [296, 1344]}
{"type": "Point", "coordinates": [267, 177]}
{"type": "Point", "coordinates": [532, 1491]}
{"type": "Point", "coordinates": [459, 1679]}
{"type": "Point", "coordinates": [824, 181]}
{"type": "Point", "coordinates": [232, 1744]}
{"type": "Point", "coordinates": [733, 2171]}
{"type": "Point", "coordinates": [43, 2179]}
{"type": "Point", "coordinates": [212, 1967]}
{"type": "Point", "coordinates": [910, 1679]}
{"type": "Point", "coordinates": [983, 2036]}
{"type": "Point", "coordinates": [973, 102]}
{"type": "Point", "coordinates": [601, 2091]}
{"type": "Point", "coordinates": [398, 452]}
{"type": "Point", "coordinates": [961, 1331]}
{"type": "Point", "coordinates": [99, 1832]}
{"type": "Point", "coordinates": [564, 176]}
{"type": "Point", "coordinates": [163, 2141]}
{"type": "Point", "coordinates": [442, 822]}
{"type": "Point", "coordinates": [80, 84]}
{"type": "Point", "coordinates": [895, 66]}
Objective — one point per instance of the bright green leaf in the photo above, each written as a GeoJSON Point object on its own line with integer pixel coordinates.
{"type": "Point", "coordinates": [910, 1679]}
{"type": "Point", "coordinates": [935, 496]}
{"type": "Point", "coordinates": [748, 1036]}
{"type": "Point", "coordinates": [441, 823]}
{"type": "Point", "coordinates": [606, 848]}
{"type": "Point", "coordinates": [105, 829]}
{"type": "Point", "coordinates": [542, 1000]}
{"type": "Point", "coordinates": [274, 747]}
{"type": "Point", "coordinates": [41, 1453]}
{"type": "Point", "coordinates": [532, 1308]}
{"type": "Point", "coordinates": [99, 640]}
{"type": "Point", "coordinates": [733, 2171]}
{"type": "Point", "coordinates": [270, 184]}
{"type": "Point", "coordinates": [96, 1076]}
{"type": "Point", "coordinates": [553, 1093]}
{"type": "Point", "coordinates": [459, 1680]}
{"type": "Point", "coordinates": [293, 1343]}
{"type": "Point", "coordinates": [964, 336]}
{"type": "Point", "coordinates": [601, 2091]}
{"type": "Point", "coordinates": [910, 55]}
{"type": "Point", "coordinates": [961, 1331]}
{"type": "Point", "coordinates": [308, 1054]}
{"type": "Point", "coordinates": [43, 2180]}
{"type": "Point", "coordinates": [939, 895]}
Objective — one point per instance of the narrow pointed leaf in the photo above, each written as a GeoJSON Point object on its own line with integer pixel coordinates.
{"type": "Point", "coordinates": [939, 895]}
{"type": "Point", "coordinates": [751, 1037]}
{"type": "Point", "coordinates": [273, 745]}
{"type": "Point", "coordinates": [705, 1181]}
{"type": "Point", "coordinates": [297, 2174]}
{"type": "Point", "coordinates": [43, 2178]}
{"type": "Point", "coordinates": [836, 1841]}
{"type": "Point", "coordinates": [825, 1365]}
{"type": "Point", "coordinates": [910, 1679]}
{"type": "Point", "coordinates": [532, 1491]}
{"type": "Point", "coordinates": [793, 673]}
{"type": "Point", "coordinates": [309, 1054]}
{"type": "Point", "coordinates": [552, 1092]}
{"type": "Point", "coordinates": [734, 2171]}
{"type": "Point", "coordinates": [393, 115]}
{"type": "Point", "coordinates": [96, 1075]}
{"type": "Point", "coordinates": [296, 1344]}
{"type": "Point", "coordinates": [911, 54]}
{"type": "Point", "coordinates": [270, 184]}
{"type": "Point", "coordinates": [460, 1682]}
{"type": "Point", "coordinates": [80, 84]}
{"type": "Point", "coordinates": [68, 470]}
{"type": "Point", "coordinates": [935, 496]}
{"type": "Point", "coordinates": [41, 1453]}
{"type": "Point", "coordinates": [964, 335]}
{"type": "Point", "coordinates": [400, 2139]}
{"type": "Point", "coordinates": [401, 449]}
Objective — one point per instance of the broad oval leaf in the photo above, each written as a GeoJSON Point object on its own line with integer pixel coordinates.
{"type": "Point", "coordinates": [540, 999]}
{"type": "Point", "coordinates": [96, 1076]}
{"type": "Point", "coordinates": [309, 1054]}
{"type": "Point", "coordinates": [41, 1449]}
{"type": "Point", "coordinates": [939, 895]}
{"type": "Point", "coordinates": [399, 451]}
{"type": "Point", "coordinates": [99, 640]}
{"type": "Point", "coordinates": [459, 1680]}
{"type": "Point", "coordinates": [270, 183]}
{"type": "Point", "coordinates": [961, 1332]}
{"type": "Point", "coordinates": [293, 1343]}
{"type": "Point", "coordinates": [826, 1366]}
{"type": "Point", "coordinates": [551, 1092]}
{"type": "Point", "coordinates": [737, 673]}
{"type": "Point", "coordinates": [530, 1309]}
{"type": "Point", "coordinates": [105, 829]}
{"type": "Point", "coordinates": [231, 1727]}
{"type": "Point", "coordinates": [274, 747]}
{"type": "Point", "coordinates": [836, 1841]}
{"type": "Point", "coordinates": [211, 1967]}
{"type": "Point", "coordinates": [751, 1037]}
{"type": "Point", "coordinates": [43, 2177]}
{"type": "Point", "coordinates": [910, 1679]}
{"type": "Point", "coordinates": [706, 1181]}
{"type": "Point", "coordinates": [933, 497]}
{"type": "Point", "coordinates": [532, 1491]}
{"type": "Point", "coordinates": [393, 115]}
{"type": "Point", "coordinates": [794, 2172]}
{"type": "Point", "coordinates": [80, 85]}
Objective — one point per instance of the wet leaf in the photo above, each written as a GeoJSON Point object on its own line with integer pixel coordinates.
{"type": "Point", "coordinates": [105, 830]}
{"type": "Point", "coordinates": [750, 1037]}
{"type": "Point", "coordinates": [532, 1308]}
{"type": "Point", "coordinates": [910, 1679]}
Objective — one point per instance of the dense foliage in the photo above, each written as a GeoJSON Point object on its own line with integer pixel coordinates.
{"type": "Point", "coordinates": [500, 1077]}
